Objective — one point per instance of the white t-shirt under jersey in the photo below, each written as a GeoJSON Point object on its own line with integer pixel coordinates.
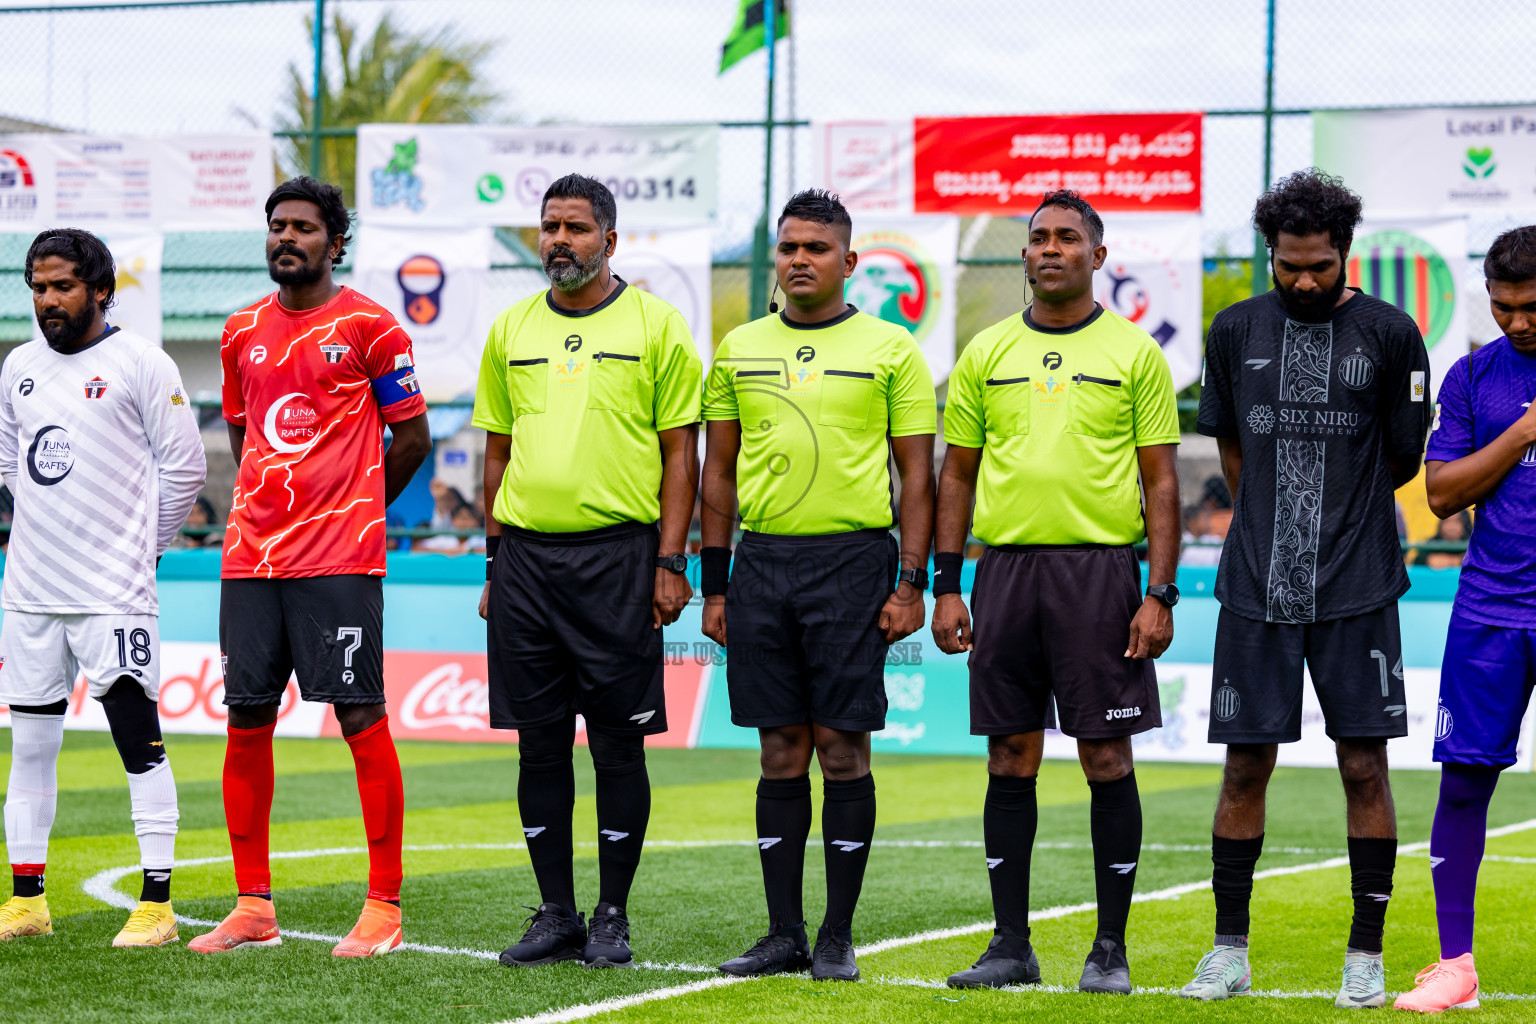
{"type": "Point", "coordinates": [101, 450]}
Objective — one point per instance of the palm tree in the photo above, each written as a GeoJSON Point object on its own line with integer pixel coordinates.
{"type": "Point", "coordinates": [393, 77]}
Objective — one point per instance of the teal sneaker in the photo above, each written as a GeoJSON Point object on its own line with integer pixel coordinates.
{"type": "Point", "coordinates": [1223, 972]}
{"type": "Point", "coordinates": [1365, 982]}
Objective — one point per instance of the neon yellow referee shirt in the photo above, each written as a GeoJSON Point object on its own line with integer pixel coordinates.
{"type": "Point", "coordinates": [583, 394]}
{"type": "Point", "coordinates": [816, 403]}
{"type": "Point", "coordinates": [1059, 414]}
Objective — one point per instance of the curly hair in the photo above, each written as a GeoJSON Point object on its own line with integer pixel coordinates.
{"type": "Point", "coordinates": [90, 255]}
{"type": "Point", "coordinates": [1067, 199]}
{"type": "Point", "coordinates": [1306, 203]}
{"type": "Point", "coordinates": [333, 210]}
{"type": "Point", "coordinates": [1512, 256]}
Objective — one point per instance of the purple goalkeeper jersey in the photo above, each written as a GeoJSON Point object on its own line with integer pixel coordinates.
{"type": "Point", "coordinates": [1481, 397]}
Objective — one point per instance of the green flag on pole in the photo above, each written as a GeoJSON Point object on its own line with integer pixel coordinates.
{"type": "Point", "coordinates": [747, 34]}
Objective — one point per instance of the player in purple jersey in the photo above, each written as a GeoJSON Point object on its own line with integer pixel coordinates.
{"type": "Point", "coordinates": [1482, 451]}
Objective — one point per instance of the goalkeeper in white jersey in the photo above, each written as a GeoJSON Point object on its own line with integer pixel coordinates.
{"type": "Point", "coordinates": [100, 447]}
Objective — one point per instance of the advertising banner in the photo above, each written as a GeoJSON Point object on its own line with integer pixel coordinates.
{"type": "Point", "coordinates": [1004, 165]}
{"type": "Point", "coordinates": [434, 282]}
{"type": "Point", "coordinates": [906, 276]}
{"type": "Point", "coordinates": [672, 263]}
{"type": "Point", "coordinates": [1153, 278]}
{"type": "Point", "coordinates": [431, 696]}
{"type": "Point", "coordinates": [1432, 161]}
{"type": "Point", "coordinates": [481, 174]}
{"type": "Point", "coordinates": [171, 182]}
{"type": "Point", "coordinates": [867, 163]}
{"type": "Point", "coordinates": [1418, 266]}
{"type": "Point", "coordinates": [136, 303]}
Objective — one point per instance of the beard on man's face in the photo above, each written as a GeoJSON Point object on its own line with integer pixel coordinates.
{"type": "Point", "coordinates": [572, 276]}
{"type": "Point", "coordinates": [305, 273]}
{"type": "Point", "coordinates": [1311, 307]}
{"type": "Point", "coordinates": [61, 330]}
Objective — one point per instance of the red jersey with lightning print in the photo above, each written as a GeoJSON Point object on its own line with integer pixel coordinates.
{"type": "Point", "coordinates": [313, 390]}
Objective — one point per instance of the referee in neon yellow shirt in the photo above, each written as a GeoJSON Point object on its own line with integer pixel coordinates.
{"type": "Point", "coordinates": [1051, 416]}
{"type": "Point", "coordinates": [589, 393]}
{"type": "Point", "coordinates": [805, 410]}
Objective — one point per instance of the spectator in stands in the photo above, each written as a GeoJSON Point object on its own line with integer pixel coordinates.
{"type": "Point", "coordinates": [1457, 528]}
{"type": "Point", "coordinates": [202, 515]}
{"type": "Point", "coordinates": [445, 502]}
{"type": "Point", "coordinates": [464, 517]}
{"type": "Point", "coordinates": [1205, 530]}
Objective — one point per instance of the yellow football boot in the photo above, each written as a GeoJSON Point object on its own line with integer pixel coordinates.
{"type": "Point", "coordinates": [150, 924]}
{"type": "Point", "coordinates": [25, 915]}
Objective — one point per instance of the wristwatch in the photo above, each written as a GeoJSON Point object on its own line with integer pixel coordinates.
{"type": "Point", "coordinates": [673, 563]}
{"type": "Point", "coordinates": [917, 577]}
{"type": "Point", "coordinates": [1167, 593]}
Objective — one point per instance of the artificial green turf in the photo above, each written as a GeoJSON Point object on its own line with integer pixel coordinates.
{"type": "Point", "coordinates": [701, 905]}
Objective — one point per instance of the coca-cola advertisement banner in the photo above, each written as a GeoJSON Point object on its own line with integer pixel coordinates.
{"type": "Point", "coordinates": [431, 696]}
{"type": "Point", "coordinates": [1004, 165]}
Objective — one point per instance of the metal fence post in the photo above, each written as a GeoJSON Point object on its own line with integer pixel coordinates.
{"type": "Point", "coordinates": [1260, 261]}
{"type": "Point", "coordinates": [317, 100]}
{"type": "Point", "coordinates": [758, 294]}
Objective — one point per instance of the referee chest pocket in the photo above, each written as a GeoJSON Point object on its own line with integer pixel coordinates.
{"type": "Point", "coordinates": [527, 385]}
{"type": "Point", "coordinates": [615, 384]}
{"type": "Point", "coordinates": [1006, 404]}
{"type": "Point", "coordinates": [1098, 407]}
{"type": "Point", "coordinates": [845, 398]}
{"type": "Point", "coordinates": [757, 399]}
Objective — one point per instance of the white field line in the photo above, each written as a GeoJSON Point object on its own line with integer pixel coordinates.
{"type": "Point", "coordinates": [102, 886]}
{"type": "Point", "coordinates": [1151, 990]}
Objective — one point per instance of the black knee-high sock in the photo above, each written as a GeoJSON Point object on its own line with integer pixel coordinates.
{"type": "Point", "coordinates": [1115, 822]}
{"type": "Point", "coordinates": [847, 829]}
{"type": "Point", "coordinates": [1232, 862]}
{"type": "Point", "coordinates": [546, 797]}
{"type": "Point", "coordinates": [1370, 875]}
{"type": "Point", "coordinates": [623, 811]}
{"type": "Point", "coordinates": [783, 823]}
{"type": "Point", "coordinates": [1008, 820]}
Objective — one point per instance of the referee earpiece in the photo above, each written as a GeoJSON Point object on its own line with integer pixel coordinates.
{"type": "Point", "coordinates": [773, 305]}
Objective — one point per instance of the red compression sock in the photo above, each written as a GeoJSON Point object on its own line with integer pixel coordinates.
{"type": "Point", "coordinates": [382, 792]}
{"type": "Point", "coordinates": [248, 782]}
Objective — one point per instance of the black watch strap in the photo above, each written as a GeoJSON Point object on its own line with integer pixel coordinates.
{"type": "Point", "coordinates": [673, 563]}
{"type": "Point", "coordinates": [917, 577]}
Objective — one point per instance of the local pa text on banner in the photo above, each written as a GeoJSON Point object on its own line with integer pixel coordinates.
{"type": "Point", "coordinates": [906, 276]}
{"type": "Point", "coordinates": [170, 182]}
{"type": "Point", "coordinates": [1153, 277]}
{"type": "Point", "coordinates": [434, 282]}
{"type": "Point", "coordinates": [1432, 161]}
{"type": "Point", "coordinates": [478, 174]}
{"type": "Point", "coordinates": [1418, 264]}
{"type": "Point", "coordinates": [1004, 165]}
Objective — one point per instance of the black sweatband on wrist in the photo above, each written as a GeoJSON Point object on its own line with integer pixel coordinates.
{"type": "Point", "coordinates": [946, 573]}
{"type": "Point", "coordinates": [714, 571]}
{"type": "Point", "coordinates": [492, 545]}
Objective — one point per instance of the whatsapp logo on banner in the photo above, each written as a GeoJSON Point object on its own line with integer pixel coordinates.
{"type": "Point", "coordinates": [1401, 268]}
{"type": "Point", "coordinates": [489, 188]}
{"type": "Point", "coordinates": [1478, 163]}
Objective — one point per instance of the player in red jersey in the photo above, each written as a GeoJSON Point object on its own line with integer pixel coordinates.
{"type": "Point", "coordinates": [311, 375]}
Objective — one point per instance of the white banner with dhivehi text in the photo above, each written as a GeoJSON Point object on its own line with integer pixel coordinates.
{"type": "Point", "coordinates": [434, 282]}
{"type": "Point", "coordinates": [1418, 265]}
{"type": "Point", "coordinates": [483, 174]}
{"type": "Point", "coordinates": [867, 163]}
{"type": "Point", "coordinates": [906, 276]}
{"type": "Point", "coordinates": [1432, 161]}
{"type": "Point", "coordinates": [169, 182]}
{"type": "Point", "coordinates": [136, 303]}
{"type": "Point", "coordinates": [1153, 277]}
{"type": "Point", "coordinates": [672, 263]}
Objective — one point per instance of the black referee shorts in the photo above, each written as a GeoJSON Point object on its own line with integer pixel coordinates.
{"type": "Point", "coordinates": [326, 630]}
{"type": "Point", "coordinates": [802, 619]}
{"type": "Point", "coordinates": [569, 629]}
{"type": "Point", "coordinates": [1052, 621]}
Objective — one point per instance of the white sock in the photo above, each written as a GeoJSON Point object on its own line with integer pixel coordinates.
{"type": "Point", "coordinates": [33, 796]}
{"type": "Point", "coordinates": [153, 794]}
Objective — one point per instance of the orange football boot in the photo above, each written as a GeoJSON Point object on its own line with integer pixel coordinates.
{"type": "Point", "coordinates": [253, 922]}
{"type": "Point", "coordinates": [377, 931]}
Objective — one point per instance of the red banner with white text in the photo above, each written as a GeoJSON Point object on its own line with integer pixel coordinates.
{"type": "Point", "coordinates": [1003, 165]}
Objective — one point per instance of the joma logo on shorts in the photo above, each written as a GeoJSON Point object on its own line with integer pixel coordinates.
{"type": "Point", "coordinates": [1114, 713]}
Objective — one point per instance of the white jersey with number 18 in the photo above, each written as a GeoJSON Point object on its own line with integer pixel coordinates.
{"type": "Point", "coordinates": [101, 450]}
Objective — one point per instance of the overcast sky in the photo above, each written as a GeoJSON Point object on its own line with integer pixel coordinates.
{"type": "Point", "coordinates": [210, 68]}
